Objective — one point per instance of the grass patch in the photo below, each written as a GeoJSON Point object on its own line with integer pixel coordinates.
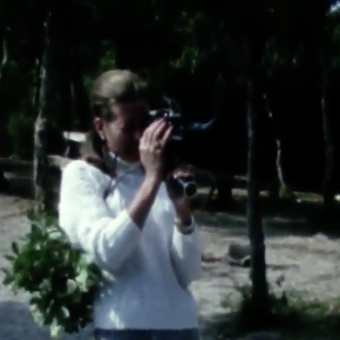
{"type": "Point", "coordinates": [291, 316]}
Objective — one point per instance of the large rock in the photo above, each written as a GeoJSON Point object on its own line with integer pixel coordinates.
{"type": "Point", "coordinates": [239, 254]}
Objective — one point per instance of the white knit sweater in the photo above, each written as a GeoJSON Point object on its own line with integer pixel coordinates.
{"type": "Point", "coordinates": [147, 271]}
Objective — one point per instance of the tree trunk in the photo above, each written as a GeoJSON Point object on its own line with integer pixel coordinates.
{"type": "Point", "coordinates": [260, 295]}
{"type": "Point", "coordinates": [279, 186]}
{"type": "Point", "coordinates": [41, 129]}
{"type": "Point", "coordinates": [46, 135]}
{"type": "Point", "coordinates": [40, 163]}
{"type": "Point", "coordinates": [4, 184]}
{"type": "Point", "coordinates": [37, 85]}
{"type": "Point", "coordinates": [328, 189]}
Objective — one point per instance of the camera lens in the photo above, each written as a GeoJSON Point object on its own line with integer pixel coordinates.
{"type": "Point", "coordinates": [190, 189]}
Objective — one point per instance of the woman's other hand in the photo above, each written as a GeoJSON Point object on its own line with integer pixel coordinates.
{"type": "Point", "coordinates": [180, 201]}
{"type": "Point", "coordinates": [151, 148]}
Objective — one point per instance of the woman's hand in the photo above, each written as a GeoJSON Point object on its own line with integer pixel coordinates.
{"type": "Point", "coordinates": [181, 202]}
{"type": "Point", "coordinates": [151, 148]}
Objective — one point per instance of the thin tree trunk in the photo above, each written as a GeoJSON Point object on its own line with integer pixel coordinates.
{"type": "Point", "coordinates": [280, 187]}
{"type": "Point", "coordinates": [45, 136]}
{"type": "Point", "coordinates": [254, 217]}
{"type": "Point", "coordinates": [4, 184]}
{"type": "Point", "coordinates": [328, 182]}
{"type": "Point", "coordinates": [40, 164]}
{"type": "Point", "coordinates": [36, 91]}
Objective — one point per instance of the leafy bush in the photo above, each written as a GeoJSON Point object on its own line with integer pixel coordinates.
{"type": "Point", "coordinates": [60, 281]}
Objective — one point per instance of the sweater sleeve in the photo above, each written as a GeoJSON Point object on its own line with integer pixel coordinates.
{"type": "Point", "coordinates": [186, 254]}
{"type": "Point", "coordinates": [84, 217]}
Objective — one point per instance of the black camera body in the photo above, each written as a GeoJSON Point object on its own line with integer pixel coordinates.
{"type": "Point", "coordinates": [172, 113]}
{"type": "Point", "coordinates": [176, 152]}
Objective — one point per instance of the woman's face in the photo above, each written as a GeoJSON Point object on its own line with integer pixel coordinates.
{"type": "Point", "coordinates": [122, 134]}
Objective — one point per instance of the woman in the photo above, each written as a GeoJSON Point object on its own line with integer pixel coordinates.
{"type": "Point", "coordinates": [115, 206]}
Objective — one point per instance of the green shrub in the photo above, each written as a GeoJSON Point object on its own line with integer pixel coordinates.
{"type": "Point", "coordinates": [60, 281]}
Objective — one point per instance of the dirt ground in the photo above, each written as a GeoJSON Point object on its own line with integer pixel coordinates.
{"type": "Point", "coordinates": [308, 263]}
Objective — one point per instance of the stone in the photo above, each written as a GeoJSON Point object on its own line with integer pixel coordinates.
{"type": "Point", "coordinates": [239, 255]}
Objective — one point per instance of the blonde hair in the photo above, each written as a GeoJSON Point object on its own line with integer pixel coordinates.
{"type": "Point", "coordinates": [111, 87]}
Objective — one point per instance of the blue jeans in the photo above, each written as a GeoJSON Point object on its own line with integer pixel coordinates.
{"type": "Point", "coordinates": [186, 334]}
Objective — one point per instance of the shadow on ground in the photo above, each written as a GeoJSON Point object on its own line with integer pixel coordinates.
{"type": "Point", "coordinates": [280, 217]}
{"type": "Point", "coordinates": [16, 323]}
{"type": "Point", "coordinates": [292, 325]}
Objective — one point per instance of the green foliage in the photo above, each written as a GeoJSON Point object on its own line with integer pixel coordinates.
{"type": "Point", "coordinates": [108, 60]}
{"type": "Point", "coordinates": [290, 314]}
{"type": "Point", "coordinates": [60, 281]}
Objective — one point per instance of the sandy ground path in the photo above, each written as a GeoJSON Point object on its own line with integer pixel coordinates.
{"type": "Point", "coordinates": [309, 264]}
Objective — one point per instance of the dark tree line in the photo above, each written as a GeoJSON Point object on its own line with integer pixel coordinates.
{"type": "Point", "coordinates": [278, 61]}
